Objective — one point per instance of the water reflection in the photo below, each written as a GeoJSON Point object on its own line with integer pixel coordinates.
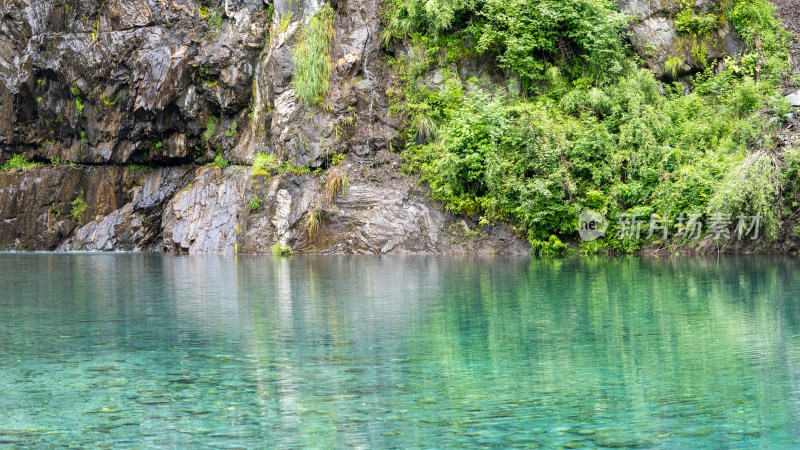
{"type": "Point", "coordinates": [398, 351]}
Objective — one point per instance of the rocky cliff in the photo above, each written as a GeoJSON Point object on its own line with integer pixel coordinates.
{"type": "Point", "coordinates": [127, 103]}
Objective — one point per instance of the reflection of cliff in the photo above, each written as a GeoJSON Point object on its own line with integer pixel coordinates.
{"type": "Point", "coordinates": [379, 351]}
{"type": "Point", "coordinates": [631, 339]}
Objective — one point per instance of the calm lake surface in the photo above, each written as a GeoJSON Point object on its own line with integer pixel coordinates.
{"type": "Point", "coordinates": [165, 351]}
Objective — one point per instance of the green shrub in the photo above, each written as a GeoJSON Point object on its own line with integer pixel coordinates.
{"type": "Point", "coordinates": [78, 207]}
{"type": "Point", "coordinates": [281, 250]}
{"type": "Point", "coordinates": [593, 132]}
{"type": "Point", "coordinates": [311, 75]}
{"type": "Point", "coordinates": [264, 164]}
{"type": "Point", "coordinates": [255, 203]}
{"type": "Point", "coordinates": [215, 19]}
{"type": "Point", "coordinates": [56, 161]}
{"type": "Point", "coordinates": [79, 107]}
{"type": "Point", "coordinates": [220, 162]}
{"type": "Point", "coordinates": [18, 161]}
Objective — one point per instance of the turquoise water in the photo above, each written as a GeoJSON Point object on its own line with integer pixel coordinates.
{"type": "Point", "coordinates": [177, 352]}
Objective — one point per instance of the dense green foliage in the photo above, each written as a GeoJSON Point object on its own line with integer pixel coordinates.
{"type": "Point", "coordinates": [264, 163]}
{"type": "Point", "coordinates": [587, 127]}
{"type": "Point", "coordinates": [311, 75]}
{"type": "Point", "coordinates": [18, 161]}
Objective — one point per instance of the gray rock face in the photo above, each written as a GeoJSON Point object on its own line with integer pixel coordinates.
{"type": "Point", "coordinates": [794, 98]}
{"type": "Point", "coordinates": [657, 40]}
{"type": "Point", "coordinates": [149, 92]}
{"type": "Point", "coordinates": [203, 217]}
{"type": "Point", "coordinates": [101, 82]}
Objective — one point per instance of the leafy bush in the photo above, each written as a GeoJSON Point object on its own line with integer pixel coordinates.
{"type": "Point", "coordinates": [311, 75]}
{"type": "Point", "coordinates": [281, 250]}
{"type": "Point", "coordinates": [18, 161]}
{"type": "Point", "coordinates": [264, 164]}
{"type": "Point", "coordinates": [220, 162]}
{"type": "Point", "coordinates": [56, 161]}
{"type": "Point", "coordinates": [594, 132]}
{"type": "Point", "coordinates": [78, 207]}
{"type": "Point", "coordinates": [255, 203]}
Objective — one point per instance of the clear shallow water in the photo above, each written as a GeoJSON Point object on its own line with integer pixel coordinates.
{"type": "Point", "coordinates": [162, 351]}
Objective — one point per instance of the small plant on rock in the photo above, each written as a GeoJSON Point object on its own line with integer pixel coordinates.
{"type": "Point", "coordinates": [78, 207]}
{"type": "Point", "coordinates": [281, 250]}
{"type": "Point", "coordinates": [19, 161]}
{"type": "Point", "coordinates": [220, 162]}
{"type": "Point", "coordinates": [255, 203]}
{"type": "Point", "coordinates": [264, 163]}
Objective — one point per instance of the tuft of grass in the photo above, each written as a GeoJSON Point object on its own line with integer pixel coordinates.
{"type": "Point", "coordinates": [337, 158]}
{"type": "Point", "coordinates": [297, 170]}
{"type": "Point", "coordinates": [79, 107]}
{"type": "Point", "coordinates": [311, 76]}
{"type": "Point", "coordinates": [215, 20]}
{"type": "Point", "coordinates": [19, 161]}
{"type": "Point", "coordinates": [673, 66]}
{"type": "Point", "coordinates": [312, 221]}
{"type": "Point", "coordinates": [211, 125]}
{"type": "Point", "coordinates": [286, 19]}
{"type": "Point", "coordinates": [335, 184]}
{"type": "Point", "coordinates": [264, 163]}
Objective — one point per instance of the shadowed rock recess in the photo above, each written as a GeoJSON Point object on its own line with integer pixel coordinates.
{"type": "Point", "coordinates": [128, 103]}
{"type": "Point", "coordinates": [136, 98]}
